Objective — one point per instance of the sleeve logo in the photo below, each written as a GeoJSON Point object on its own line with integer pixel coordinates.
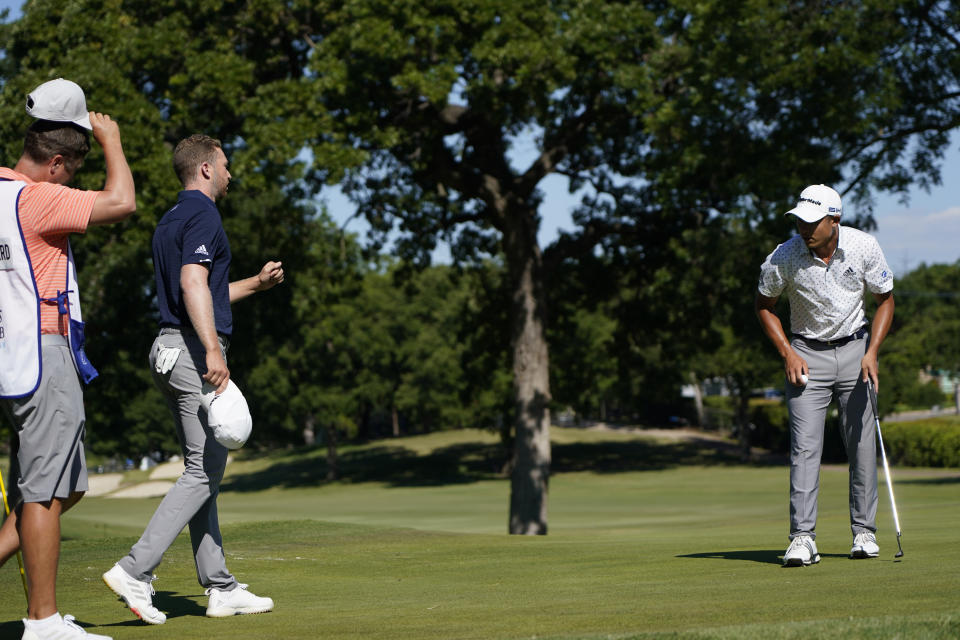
{"type": "Point", "coordinates": [201, 250]}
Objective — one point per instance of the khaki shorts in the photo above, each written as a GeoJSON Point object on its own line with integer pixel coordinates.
{"type": "Point", "coordinates": [50, 425]}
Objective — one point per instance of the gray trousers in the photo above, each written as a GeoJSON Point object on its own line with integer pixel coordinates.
{"type": "Point", "coordinates": [834, 373]}
{"type": "Point", "coordinates": [192, 501]}
{"type": "Point", "coordinates": [50, 425]}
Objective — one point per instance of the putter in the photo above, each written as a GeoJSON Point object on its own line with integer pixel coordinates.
{"type": "Point", "coordinates": [886, 467]}
{"type": "Point", "coordinates": [6, 512]}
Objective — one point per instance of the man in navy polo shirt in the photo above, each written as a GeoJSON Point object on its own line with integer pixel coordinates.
{"type": "Point", "coordinates": [191, 258]}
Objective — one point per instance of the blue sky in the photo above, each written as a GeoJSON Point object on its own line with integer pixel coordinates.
{"type": "Point", "coordinates": [926, 230]}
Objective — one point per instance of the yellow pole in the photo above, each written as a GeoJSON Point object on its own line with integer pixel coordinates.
{"type": "Point", "coordinates": [6, 511]}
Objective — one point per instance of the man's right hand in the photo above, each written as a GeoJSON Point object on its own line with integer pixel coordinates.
{"type": "Point", "coordinates": [795, 366]}
{"type": "Point", "coordinates": [217, 372]}
{"type": "Point", "coordinates": [105, 129]}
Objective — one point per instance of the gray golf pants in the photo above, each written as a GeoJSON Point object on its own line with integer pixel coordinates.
{"type": "Point", "coordinates": [834, 373]}
{"type": "Point", "coordinates": [192, 501]}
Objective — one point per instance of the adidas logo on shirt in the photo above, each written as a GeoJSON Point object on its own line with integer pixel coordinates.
{"type": "Point", "coordinates": [202, 250]}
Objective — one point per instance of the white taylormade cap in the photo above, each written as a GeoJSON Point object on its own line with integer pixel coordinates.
{"type": "Point", "coordinates": [59, 101]}
{"type": "Point", "coordinates": [227, 414]}
{"type": "Point", "coordinates": [816, 202]}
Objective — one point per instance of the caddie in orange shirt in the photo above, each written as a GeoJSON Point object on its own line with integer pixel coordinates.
{"type": "Point", "coordinates": [41, 329]}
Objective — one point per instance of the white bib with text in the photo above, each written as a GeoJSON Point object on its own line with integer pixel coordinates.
{"type": "Point", "coordinates": [19, 303]}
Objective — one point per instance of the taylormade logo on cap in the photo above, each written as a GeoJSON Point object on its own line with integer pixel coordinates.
{"type": "Point", "coordinates": [816, 202]}
{"type": "Point", "coordinates": [59, 101]}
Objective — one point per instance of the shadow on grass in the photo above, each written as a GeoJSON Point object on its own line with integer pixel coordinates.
{"type": "Point", "coordinates": [177, 606]}
{"type": "Point", "coordinates": [927, 481]}
{"type": "Point", "coordinates": [456, 464]}
{"type": "Point", "coordinates": [764, 556]}
{"type": "Point", "coordinates": [472, 462]}
{"type": "Point", "coordinates": [641, 455]}
{"type": "Point", "coordinates": [174, 605]}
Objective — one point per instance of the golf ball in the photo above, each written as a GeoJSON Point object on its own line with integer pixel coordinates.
{"type": "Point", "coordinates": [803, 378]}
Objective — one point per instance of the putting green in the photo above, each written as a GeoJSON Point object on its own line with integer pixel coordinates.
{"type": "Point", "coordinates": [670, 552]}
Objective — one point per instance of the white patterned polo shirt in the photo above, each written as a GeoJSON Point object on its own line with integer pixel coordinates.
{"type": "Point", "coordinates": [826, 300]}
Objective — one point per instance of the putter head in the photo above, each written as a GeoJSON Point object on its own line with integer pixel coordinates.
{"type": "Point", "coordinates": [899, 553]}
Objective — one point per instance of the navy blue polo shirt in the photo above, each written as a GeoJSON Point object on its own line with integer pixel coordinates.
{"type": "Point", "coordinates": [192, 233]}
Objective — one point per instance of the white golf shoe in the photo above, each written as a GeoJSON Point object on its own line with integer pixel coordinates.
{"type": "Point", "coordinates": [138, 595]}
{"type": "Point", "coordinates": [865, 546]}
{"type": "Point", "coordinates": [63, 629]}
{"type": "Point", "coordinates": [236, 602]}
{"type": "Point", "coordinates": [801, 552]}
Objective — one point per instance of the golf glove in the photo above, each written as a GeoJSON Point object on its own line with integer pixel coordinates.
{"type": "Point", "coordinates": [166, 358]}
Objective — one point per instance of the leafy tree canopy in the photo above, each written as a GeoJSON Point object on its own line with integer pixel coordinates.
{"type": "Point", "coordinates": [676, 115]}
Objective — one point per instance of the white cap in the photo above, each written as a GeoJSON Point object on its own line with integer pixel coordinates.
{"type": "Point", "coordinates": [816, 202]}
{"type": "Point", "coordinates": [59, 101]}
{"type": "Point", "coordinates": [227, 414]}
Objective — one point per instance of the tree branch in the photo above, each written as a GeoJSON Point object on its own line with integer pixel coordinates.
{"type": "Point", "coordinates": [452, 115]}
{"type": "Point", "coordinates": [945, 33]}
{"type": "Point", "coordinates": [546, 163]}
{"type": "Point", "coordinates": [896, 136]}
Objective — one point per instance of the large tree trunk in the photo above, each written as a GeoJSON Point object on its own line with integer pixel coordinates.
{"type": "Point", "coordinates": [530, 475]}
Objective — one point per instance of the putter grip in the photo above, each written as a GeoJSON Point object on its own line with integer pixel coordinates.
{"type": "Point", "coordinates": [873, 399]}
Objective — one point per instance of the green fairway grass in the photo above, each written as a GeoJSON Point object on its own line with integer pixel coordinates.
{"type": "Point", "coordinates": [664, 550]}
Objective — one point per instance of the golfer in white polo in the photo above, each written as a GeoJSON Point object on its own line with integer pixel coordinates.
{"type": "Point", "coordinates": [825, 271]}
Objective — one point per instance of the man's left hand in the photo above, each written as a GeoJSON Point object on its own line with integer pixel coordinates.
{"type": "Point", "coordinates": [270, 275]}
{"type": "Point", "coordinates": [869, 369]}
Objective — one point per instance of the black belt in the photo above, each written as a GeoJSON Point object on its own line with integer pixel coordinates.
{"type": "Point", "coordinates": [862, 331]}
